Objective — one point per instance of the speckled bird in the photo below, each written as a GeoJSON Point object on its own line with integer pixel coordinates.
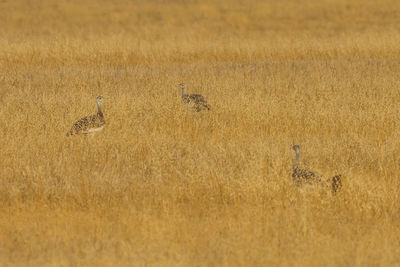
{"type": "Point", "coordinates": [302, 177]}
{"type": "Point", "coordinates": [195, 101]}
{"type": "Point", "coordinates": [91, 123]}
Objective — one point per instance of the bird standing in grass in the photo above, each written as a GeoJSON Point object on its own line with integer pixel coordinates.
{"type": "Point", "coordinates": [89, 124]}
{"type": "Point", "coordinates": [194, 101]}
{"type": "Point", "coordinates": [301, 176]}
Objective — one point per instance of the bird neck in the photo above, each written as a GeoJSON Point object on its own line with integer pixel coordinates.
{"type": "Point", "coordinates": [183, 90]}
{"type": "Point", "coordinates": [296, 163]}
{"type": "Point", "coordinates": [99, 111]}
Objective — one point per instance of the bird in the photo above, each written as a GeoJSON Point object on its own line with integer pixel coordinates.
{"type": "Point", "coordinates": [91, 123]}
{"type": "Point", "coordinates": [195, 101]}
{"type": "Point", "coordinates": [301, 176]}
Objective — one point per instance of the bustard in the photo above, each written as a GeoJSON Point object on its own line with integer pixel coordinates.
{"type": "Point", "coordinates": [302, 176]}
{"type": "Point", "coordinates": [195, 101]}
{"type": "Point", "coordinates": [91, 123]}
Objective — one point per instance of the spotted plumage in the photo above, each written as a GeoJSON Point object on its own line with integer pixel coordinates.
{"type": "Point", "coordinates": [91, 123]}
{"type": "Point", "coordinates": [195, 101]}
{"type": "Point", "coordinates": [336, 183]}
{"type": "Point", "coordinates": [302, 177]}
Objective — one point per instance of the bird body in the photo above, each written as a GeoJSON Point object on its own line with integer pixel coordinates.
{"type": "Point", "coordinates": [91, 123]}
{"type": "Point", "coordinates": [195, 101]}
{"type": "Point", "coordinates": [302, 176]}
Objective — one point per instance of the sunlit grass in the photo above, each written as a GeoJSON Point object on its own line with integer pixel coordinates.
{"type": "Point", "coordinates": [162, 185]}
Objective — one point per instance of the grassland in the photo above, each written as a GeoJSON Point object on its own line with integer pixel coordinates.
{"type": "Point", "coordinates": [163, 186]}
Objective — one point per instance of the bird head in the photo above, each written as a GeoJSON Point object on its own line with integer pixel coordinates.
{"type": "Point", "coordinates": [100, 98]}
{"type": "Point", "coordinates": [181, 85]}
{"type": "Point", "coordinates": [296, 148]}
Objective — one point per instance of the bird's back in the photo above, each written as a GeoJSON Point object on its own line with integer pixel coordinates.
{"type": "Point", "coordinates": [88, 124]}
{"type": "Point", "coordinates": [302, 176]}
{"type": "Point", "coordinates": [336, 183]}
{"type": "Point", "coordinates": [198, 102]}
{"type": "Point", "coordinates": [197, 97]}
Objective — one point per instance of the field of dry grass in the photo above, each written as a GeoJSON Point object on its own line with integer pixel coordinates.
{"type": "Point", "coordinates": [164, 186]}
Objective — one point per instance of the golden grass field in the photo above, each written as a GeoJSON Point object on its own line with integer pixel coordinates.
{"type": "Point", "coordinates": [164, 186]}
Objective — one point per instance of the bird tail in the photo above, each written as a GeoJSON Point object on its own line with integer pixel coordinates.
{"type": "Point", "coordinates": [336, 183]}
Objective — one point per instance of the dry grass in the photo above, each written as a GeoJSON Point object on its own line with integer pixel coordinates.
{"type": "Point", "coordinates": [161, 185]}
